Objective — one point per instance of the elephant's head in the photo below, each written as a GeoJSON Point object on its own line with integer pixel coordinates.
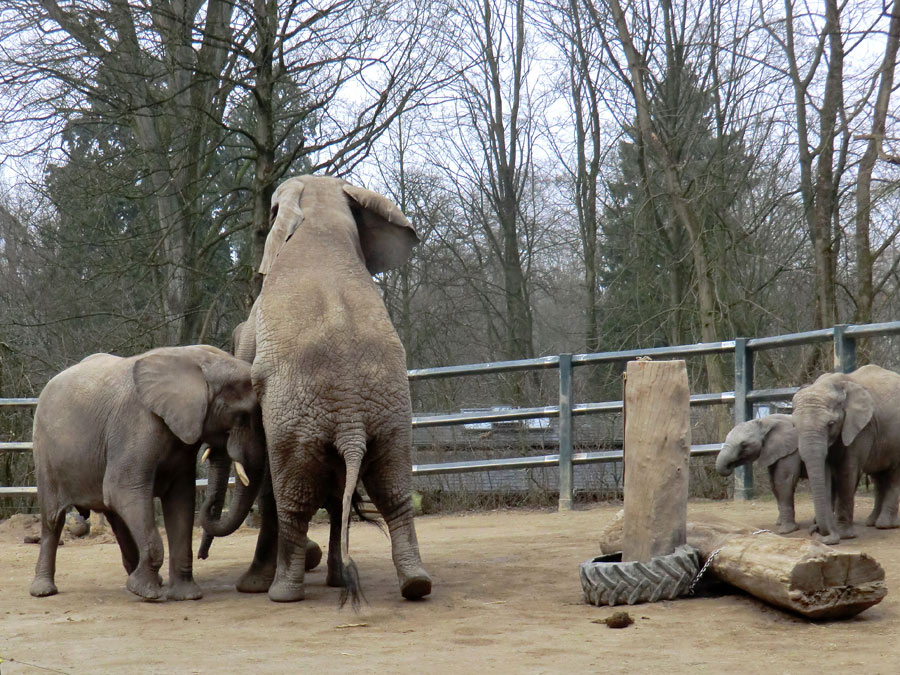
{"type": "Point", "coordinates": [831, 410]}
{"type": "Point", "coordinates": [382, 236]}
{"type": "Point", "coordinates": [765, 440]}
{"type": "Point", "coordinates": [205, 394]}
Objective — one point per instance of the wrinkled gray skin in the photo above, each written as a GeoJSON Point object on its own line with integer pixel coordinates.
{"type": "Point", "coordinates": [771, 441]}
{"type": "Point", "coordinates": [262, 569]}
{"type": "Point", "coordinates": [112, 433]}
{"type": "Point", "coordinates": [848, 424]}
{"type": "Point", "coordinates": [330, 372]}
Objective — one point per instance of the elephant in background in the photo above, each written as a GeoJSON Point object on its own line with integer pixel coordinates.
{"type": "Point", "coordinates": [771, 441]}
{"type": "Point", "coordinates": [848, 424]}
{"type": "Point", "coordinates": [112, 433]}
{"type": "Point", "coordinates": [330, 372]}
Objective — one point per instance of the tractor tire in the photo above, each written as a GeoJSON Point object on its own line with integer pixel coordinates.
{"type": "Point", "coordinates": [616, 583]}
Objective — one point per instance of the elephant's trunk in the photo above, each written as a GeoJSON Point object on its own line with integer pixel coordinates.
{"type": "Point", "coordinates": [725, 460]}
{"type": "Point", "coordinates": [211, 509]}
{"type": "Point", "coordinates": [214, 522]}
{"type": "Point", "coordinates": [814, 452]}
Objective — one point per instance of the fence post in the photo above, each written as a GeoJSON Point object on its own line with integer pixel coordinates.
{"type": "Point", "coordinates": [844, 350]}
{"type": "Point", "coordinates": [743, 411]}
{"type": "Point", "coordinates": [565, 432]}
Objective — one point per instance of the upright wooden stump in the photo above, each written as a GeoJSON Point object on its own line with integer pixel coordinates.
{"type": "Point", "coordinates": [657, 454]}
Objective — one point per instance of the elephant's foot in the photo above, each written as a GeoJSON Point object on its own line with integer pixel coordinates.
{"type": "Point", "coordinates": [313, 555]}
{"type": "Point", "coordinates": [282, 591]}
{"type": "Point", "coordinates": [41, 587]}
{"type": "Point", "coordinates": [185, 589]}
{"type": "Point", "coordinates": [846, 530]}
{"type": "Point", "coordinates": [257, 579]}
{"type": "Point", "coordinates": [786, 528]}
{"type": "Point", "coordinates": [145, 585]}
{"type": "Point", "coordinates": [830, 539]}
{"type": "Point", "coordinates": [872, 519]}
{"type": "Point", "coordinates": [414, 583]}
{"type": "Point", "coordinates": [887, 522]}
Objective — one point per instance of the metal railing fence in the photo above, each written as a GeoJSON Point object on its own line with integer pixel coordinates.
{"type": "Point", "coordinates": [844, 337]}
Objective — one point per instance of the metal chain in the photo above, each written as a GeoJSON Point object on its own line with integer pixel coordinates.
{"type": "Point", "coordinates": [709, 560]}
{"type": "Point", "coordinates": [702, 571]}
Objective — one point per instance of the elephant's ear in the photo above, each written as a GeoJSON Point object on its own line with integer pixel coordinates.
{"type": "Point", "coordinates": [859, 407]}
{"type": "Point", "coordinates": [385, 235]}
{"type": "Point", "coordinates": [174, 388]}
{"type": "Point", "coordinates": [780, 439]}
{"type": "Point", "coordinates": [286, 218]}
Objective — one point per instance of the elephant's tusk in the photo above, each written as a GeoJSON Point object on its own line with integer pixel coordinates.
{"type": "Point", "coordinates": [205, 455]}
{"type": "Point", "coordinates": [239, 470]}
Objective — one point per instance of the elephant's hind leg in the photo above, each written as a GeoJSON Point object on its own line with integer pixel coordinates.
{"type": "Point", "coordinates": [887, 499]}
{"type": "Point", "coordinates": [258, 578]}
{"type": "Point", "coordinates": [298, 496]}
{"type": "Point", "coordinates": [135, 508]}
{"type": "Point", "coordinates": [388, 480]}
{"type": "Point", "coordinates": [129, 549]}
{"type": "Point", "coordinates": [53, 518]}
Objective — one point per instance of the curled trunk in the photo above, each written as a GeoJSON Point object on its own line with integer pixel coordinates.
{"type": "Point", "coordinates": [214, 522]}
{"type": "Point", "coordinates": [725, 461]}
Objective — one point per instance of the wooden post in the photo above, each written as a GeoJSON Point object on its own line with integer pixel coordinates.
{"type": "Point", "coordinates": [657, 452]}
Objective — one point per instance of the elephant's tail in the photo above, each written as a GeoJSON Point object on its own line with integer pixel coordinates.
{"type": "Point", "coordinates": [352, 450]}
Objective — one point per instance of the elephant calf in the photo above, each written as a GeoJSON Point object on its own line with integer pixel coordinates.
{"type": "Point", "coordinates": [112, 433]}
{"type": "Point", "coordinates": [773, 441]}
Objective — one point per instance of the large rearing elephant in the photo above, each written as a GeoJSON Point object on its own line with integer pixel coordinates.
{"type": "Point", "coordinates": [848, 424]}
{"type": "Point", "coordinates": [330, 372]}
{"type": "Point", "coordinates": [112, 433]}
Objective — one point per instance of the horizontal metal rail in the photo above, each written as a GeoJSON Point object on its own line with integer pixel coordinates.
{"type": "Point", "coordinates": [843, 335]}
{"type": "Point", "coordinates": [535, 462]}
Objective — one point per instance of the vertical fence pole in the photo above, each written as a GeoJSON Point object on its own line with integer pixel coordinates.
{"type": "Point", "coordinates": [565, 432]}
{"type": "Point", "coordinates": [743, 411]}
{"type": "Point", "coordinates": [844, 350]}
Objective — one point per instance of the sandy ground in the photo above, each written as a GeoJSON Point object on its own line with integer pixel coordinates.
{"type": "Point", "coordinates": [506, 599]}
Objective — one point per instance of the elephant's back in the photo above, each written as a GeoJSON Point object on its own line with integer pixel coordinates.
{"type": "Point", "coordinates": [70, 422]}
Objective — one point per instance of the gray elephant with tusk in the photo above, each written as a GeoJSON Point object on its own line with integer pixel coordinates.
{"type": "Point", "coordinates": [772, 441]}
{"type": "Point", "coordinates": [112, 433]}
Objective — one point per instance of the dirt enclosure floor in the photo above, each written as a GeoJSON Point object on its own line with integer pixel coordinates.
{"type": "Point", "coordinates": [507, 599]}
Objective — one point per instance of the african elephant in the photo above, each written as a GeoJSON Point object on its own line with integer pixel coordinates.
{"type": "Point", "coordinates": [771, 440]}
{"type": "Point", "coordinates": [848, 424]}
{"type": "Point", "coordinates": [216, 524]}
{"type": "Point", "coordinates": [112, 433]}
{"type": "Point", "coordinates": [330, 373]}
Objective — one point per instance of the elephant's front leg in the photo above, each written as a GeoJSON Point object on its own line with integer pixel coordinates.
{"type": "Point", "coordinates": [845, 478]}
{"type": "Point", "coordinates": [135, 508]}
{"type": "Point", "coordinates": [258, 578]}
{"type": "Point", "coordinates": [388, 482]}
{"type": "Point", "coordinates": [784, 475]}
{"type": "Point", "coordinates": [178, 514]}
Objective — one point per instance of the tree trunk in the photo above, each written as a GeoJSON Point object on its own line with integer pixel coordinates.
{"type": "Point", "coordinates": [865, 293]}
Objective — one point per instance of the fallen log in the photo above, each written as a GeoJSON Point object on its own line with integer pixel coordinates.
{"type": "Point", "coordinates": [800, 575]}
